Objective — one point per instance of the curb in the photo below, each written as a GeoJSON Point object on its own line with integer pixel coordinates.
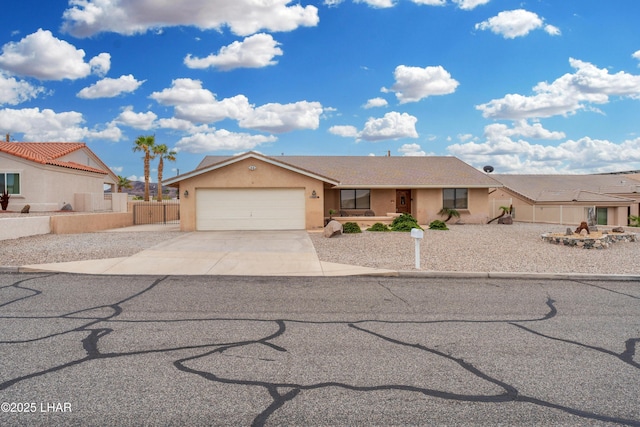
{"type": "Point", "coordinates": [516, 275]}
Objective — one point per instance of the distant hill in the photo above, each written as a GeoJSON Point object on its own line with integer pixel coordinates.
{"type": "Point", "coordinates": [138, 190]}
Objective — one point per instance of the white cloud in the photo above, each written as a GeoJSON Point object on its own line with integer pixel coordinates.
{"type": "Point", "coordinates": [379, 4]}
{"type": "Point", "coordinates": [198, 105]}
{"type": "Point", "coordinates": [415, 83]}
{"type": "Point", "coordinates": [412, 150]}
{"type": "Point", "coordinates": [47, 125]}
{"type": "Point", "coordinates": [514, 23]}
{"type": "Point", "coordinates": [221, 139]}
{"type": "Point", "coordinates": [101, 64]}
{"type": "Point", "coordinates": [130, 118]}
{"type": "Point", "coordinates": [344, 131]}
{"type": "Point", "coordinates": [84, 18]}
{"type": "Point", "coordinates": [332, 3]}
{"type": "Point", "coordinates": [552, 30]}
{"type": "Point", "coordinates": [256, 51]}
{"type": "Point", "coordinates": [279, 118]}
{"type": "Point", "coordinates": [509, 155]}
{"type": "Point", "coordinates": [393, 125]}
{"type": "Point", "coordinates": [636, 54]}
{"type": "Point", "coordinates": [194, 103]}
{"type": "Point", "coordinates": [566, 95]}
{"type": "Point", "coordinates": [13, 91]}
{"type": "Point", "coordinates": [470, 4]}
{"type": "Point", "coordinates": [521, 128]}
{"type": "Point", "coordinates": [376, 102]}
{"type": "Point", "coordinates": [45, 57]}
{"type": "Point", "coordinates": [109, 88]}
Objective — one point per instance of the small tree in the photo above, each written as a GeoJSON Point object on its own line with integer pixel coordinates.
{"type": "Point", "coordinates": [146, 144]}
{"type": "Point", "coordinates": [163, 153]}
{"type": "Point", "coordinates": [124, 182]}
{"type": "Point", "coordinates": [449, 213]}
{"type": "Point", "coordinates": [4, 200]}
{"type": "Point", "coordinates": [505, 210]}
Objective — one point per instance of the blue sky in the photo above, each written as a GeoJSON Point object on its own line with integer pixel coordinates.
{"type": "Point", "coordinates": [538, 86]}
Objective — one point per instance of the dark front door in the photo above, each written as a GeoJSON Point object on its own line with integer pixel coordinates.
{"type": "Point", "coordinates": [403, 201]}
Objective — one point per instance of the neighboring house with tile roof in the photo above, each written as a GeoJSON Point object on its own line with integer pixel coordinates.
{"type": "Point", "coordinates": [252, 191]}
{"type": "Point", "coordinates": [604, 199]}
{"type": "Point", "coordinates": [47, 175]}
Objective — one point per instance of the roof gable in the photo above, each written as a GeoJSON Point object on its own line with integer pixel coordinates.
{"type": "Point", "coordinates": [381, 172]}
{"type": "Point", "coordinates": [217, 162]}
{"type": "Point", "coordinates": [49, 153]}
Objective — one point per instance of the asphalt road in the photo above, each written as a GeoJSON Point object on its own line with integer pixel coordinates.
{"type": "Point", "coordinates": [158, 350]}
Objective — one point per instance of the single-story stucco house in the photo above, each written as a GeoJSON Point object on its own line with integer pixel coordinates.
{"type": "Point", "coordinates": [603, 199]}
{"type": "Point", "coordinates": [48, 175]}
{"type": "Point", "coordinates": [252, 191]}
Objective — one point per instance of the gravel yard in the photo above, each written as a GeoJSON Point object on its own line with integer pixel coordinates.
{"type": "Point", "coordinates": [481, 248]}
{"type": "Point", "coordinates": [478, 248]}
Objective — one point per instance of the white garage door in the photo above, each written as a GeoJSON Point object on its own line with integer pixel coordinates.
{"type": "Point", "coordinates": [250, 209]}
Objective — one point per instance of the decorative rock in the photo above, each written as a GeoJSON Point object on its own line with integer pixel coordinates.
{"type": "Point", "coordinates": [66, 207]}
{"type": "Point", "coordinates": [584, 232]}
{"type": "Point", "coordinates": [583, 226]}
{"type": "Point", "coordinates": [569, 232]}
{"type": "Point", "coordinates": [332, 229]}
{"type": "Point", "coordinates": [507, 219]}
{"type": "Point", "coordinates": [25, 209]}
{"type": "Point", "coordinates": [617, 230]}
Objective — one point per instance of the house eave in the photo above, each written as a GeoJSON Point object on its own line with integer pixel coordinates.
{"type": "Point", "coordinates": [411, 186]}
{"type": "Point", "coordinates": [245, 156]}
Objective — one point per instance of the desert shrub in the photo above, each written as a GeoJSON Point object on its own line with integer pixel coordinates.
{"type": "Point", "coordinates": [378, 226]}
{"type": "Point", "coordinates": [404, 222]}
{"type": "Point", "coordinates": [634, 221]}
{"type": "Point", "coordinates": [351, 227]}
{"type": "Point", "coordinates": [438, 225]}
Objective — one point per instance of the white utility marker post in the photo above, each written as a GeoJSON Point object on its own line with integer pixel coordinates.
{"type": "Point", "coordinates": [417, 235]}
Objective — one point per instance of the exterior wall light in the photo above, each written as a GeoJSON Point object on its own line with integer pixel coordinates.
{"type": "Point", "coordinates": [186, 193]}
{"type": "Point", "coordinates": [252, 168]}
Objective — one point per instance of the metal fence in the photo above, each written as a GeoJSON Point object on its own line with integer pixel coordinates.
{"type": "Point", "coordinates": [165, 212]}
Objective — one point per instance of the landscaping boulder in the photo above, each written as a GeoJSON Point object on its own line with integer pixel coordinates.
{"type": "Point", "coordinates": [617, 230]}
{"type": "Point", "coordinates": [25, 209]}
{"type": "Point", "coordinates": [332, 229]}
{"type": "Point", "coordinates": [507, 219]}
{"type": "Point", "coordinates": [569, 232]}
{"type": "Point", "coordinates": [66, 207]}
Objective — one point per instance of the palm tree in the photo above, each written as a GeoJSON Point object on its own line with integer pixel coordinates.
{"type": "Point", "coordinates": [146, 144]}
{"type": "Point", "coordinates": [124, 182]}
{"type": "Point", "coordinates": [449, 212]}
{"type": "Point", "coordinates": [505, 210]}
{"type": "Point", "coordinates": [163, 153]}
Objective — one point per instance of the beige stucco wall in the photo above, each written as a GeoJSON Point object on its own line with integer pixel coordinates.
{"type": "Point", "coordinates": [427, 202]}
{"type": "Point", "coordinates": [48, 188]}
{"type": "Point", "coordinates": [14, 228]}
{"type": "Point", "coordinates": [265, 175]}
{"type": "Point", "coordinates": [86, 223]}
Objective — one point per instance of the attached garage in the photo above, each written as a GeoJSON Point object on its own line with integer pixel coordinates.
{"type": "Point", "coordinates": [250, 209]}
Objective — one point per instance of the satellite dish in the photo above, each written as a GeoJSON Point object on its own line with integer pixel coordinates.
{"type": "Point", "coordinates": [488, 169]}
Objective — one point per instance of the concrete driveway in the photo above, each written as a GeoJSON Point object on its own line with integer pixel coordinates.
{"type": "Point", "coordinates": [242, 253]}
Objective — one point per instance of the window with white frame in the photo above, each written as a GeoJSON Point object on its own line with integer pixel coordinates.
{"type": "Point", "coordinates": [455, 198]}
{"type": "Point", "coordinates": [10, 182]}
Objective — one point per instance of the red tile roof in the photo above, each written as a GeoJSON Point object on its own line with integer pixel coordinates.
{"type": "Point", "coordinates": [48, 153]}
